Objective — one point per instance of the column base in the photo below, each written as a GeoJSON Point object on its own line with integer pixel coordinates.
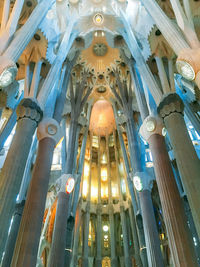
{"type": "Point", "coordinates": [85, 262]}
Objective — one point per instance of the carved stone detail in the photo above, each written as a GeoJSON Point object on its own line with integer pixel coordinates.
{"type": "Point", "coordinates": [171, 103]}
{"type": "Point", "coordinates": [49, 127]}
{"type": "Point", "coordinates": [29, 108]}
{"type": "Point", "coordinates": [158, 127]}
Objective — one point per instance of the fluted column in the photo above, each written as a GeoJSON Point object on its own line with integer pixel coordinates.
{"type": "Point", "coordinates": [171, 110]}
{"type": "Point", "coordinates": [77, 226]}
{"type": "Point", "coordinates": [29, 114]}
{"type": "Point", "coordinates": [57, 252]}
{"type": "Point", "coordinates": [99, 210]}
{"type": "Point", "coordinates": [85, 235]}
{"type": "Point", "coordinates": [114, 262]}
{"type": "Point", "coordinates": [10, 243]}
{"type": "Point", "coordinates": [180, 241]}
{"type": "Point", "coordinates": [25, 253]}
{"type": "Point", "coordinates": [87, 214]}
{"type": "Point", "coordinates": [150, 230]}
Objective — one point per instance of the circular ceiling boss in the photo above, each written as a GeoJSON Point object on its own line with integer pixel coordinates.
{"type": "Point", "coordinates": [100, 49]}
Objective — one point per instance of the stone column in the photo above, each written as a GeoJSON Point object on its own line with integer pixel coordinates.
{"type": "Point", "coordinates": [98, 261]}
{"type": "Point", "coordinates": [171, 110]}
{"type": "Point", "coordinates": [26, 249]}
{"type": "Point", "coordinates": [77, 226]}
{"type": "Point", "coordinates": [57, 253]}
{"type": "Point", "coordinates": [85, 261]}
{"type": "Point", "coordinates": [29, 114]}
{"type": "Point", "coordinates": [87, 214]}
{"type": "Point", "coordinates": [127, 258]}
{"type": "Point", "coordinates": [154, 254]}
{"type": "Point", "coordinates": [114, 262]}
{"type": "Point", "coordinates": [24, 35]}
{"type": "Point", "coordinates": [99, 210]}
{"type": "Point", "coordinates": [10, 243]}
{"type": "Point", "coordinates": [180, 241]}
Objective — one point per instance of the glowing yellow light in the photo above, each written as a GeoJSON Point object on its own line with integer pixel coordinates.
{"type": "Point", "coordinates": [114, 191]}
{"type": "Point", "coordinates": [94, 192]}
{"type": "Point", "coordinates": [104, 192]}
{"type": "Point", "coordinates": [85, 186]}
{"type": "Point", "coordinates": [104, 174]}
{"type": "Point", "coordinates": [162, 236]}
{"type": "Point", "coordinates": [98, 19]}
{"type": "Point", "coordinates": [86, 169]}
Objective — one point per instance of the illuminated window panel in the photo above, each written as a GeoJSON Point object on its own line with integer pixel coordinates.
{"type": "Point", "coordinates": [104, 174]}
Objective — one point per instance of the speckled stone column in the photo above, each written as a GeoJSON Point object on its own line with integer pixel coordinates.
{"type": "Point", "coordinates": [171, 110]}
{"type": "Point", "coordinates": [180, 241]}
{"type": "Point", "coordinates": [25, 253]}
{"type": "Point", "coordinates": [29, 114]}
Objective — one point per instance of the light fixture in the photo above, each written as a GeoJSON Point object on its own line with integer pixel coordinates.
{"type": "Point", "coordinates": [185, 69]}
{"type": "Point", "coordinates": [70, 185]}
{"type": "Point", "coordinates": [98, 19]}
{"type": "Point", "coordinates": [150, 125]}
{"type": "Point", "coordinates": [8, 76]}
{"type": "Point", "coordinates": [137, 183]}
{"type": "Point", "coordinates": [105, 228]}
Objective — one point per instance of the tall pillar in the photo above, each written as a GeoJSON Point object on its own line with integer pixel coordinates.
{"type": "Point", "coordinates": [99, 210]}
{"type": "Point", "coordinates": [171, 110]}
{"type": "Point", "coordinates": [29, 114]}
{"type": "Point", "coordinates": [10, 243]}
{"type": "Point", "coordinates": [77, 226]}
{"type": "Point", "coordinates": [87, 214]}
{"type": "Point", "coordinates": [127, 258]}
{"type": "Point", "coordinates": [86, 223]}
{"type": "Point", "coordinates": [180, 241]}
{"type": "Point", "coordinates": [150, 230]}
{"type": "Point", "coordinates": [25, 253]}
{"type": "Point", "coordinates": [57, 252]}
{"type": "Point", "coordinates": [114, 261]}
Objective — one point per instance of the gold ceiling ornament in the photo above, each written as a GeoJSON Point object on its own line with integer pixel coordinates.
{"type": "Point", "coordinates": [105, 57]}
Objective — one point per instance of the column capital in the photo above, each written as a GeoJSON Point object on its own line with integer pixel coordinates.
{"type": "Point", "coordinates": [170, 103]}
{"type": "Point", "coordinates": [142, 181]}
{"type": "Point", "coordinates": [50, 128]}
{"type": "Point", "coordinates": [110, 209]}
{"type": "Point", "coordinates": [29, 108]}
{"type": "Point", "coordinates": [150, 126]}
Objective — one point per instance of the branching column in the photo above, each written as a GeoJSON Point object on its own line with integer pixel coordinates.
{"type": "Point", "coordinates": [180, 241]}
{"type": "Point", "coordinates": [171, 110]}
{"type": "Point", "coordinates": [29, 114]}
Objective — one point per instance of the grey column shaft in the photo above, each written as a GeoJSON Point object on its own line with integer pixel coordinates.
{"type": "Point", "coordinates": [12, 173]}
{"type": "Point", "coordinates": [127, 258]}
{"type": "Point", "coordinates": [114, 262]}
{"type": "Point", "coordinates": [76, 237]}
{"type": "Point", "coordinates": [85, 239]}
{"type": "Point", "coordinates": [140, 261]}
{"type": "Point", "coordinates": [10, 243]}
{"type": "Point", "coordinates": [26, 249]}
{"type": "Point", "coordinates": [98, 240]}
{"type": "Point", "coordinates": [171, 109]}
{"type": "Point", "coordinates": [151, 234]}
{"type": "Point", "coordinates": [57, 253]}
{"type": "Point", "coordinates": [191, 116]}
{"type": "Point", "coordinates": [180, 241]}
